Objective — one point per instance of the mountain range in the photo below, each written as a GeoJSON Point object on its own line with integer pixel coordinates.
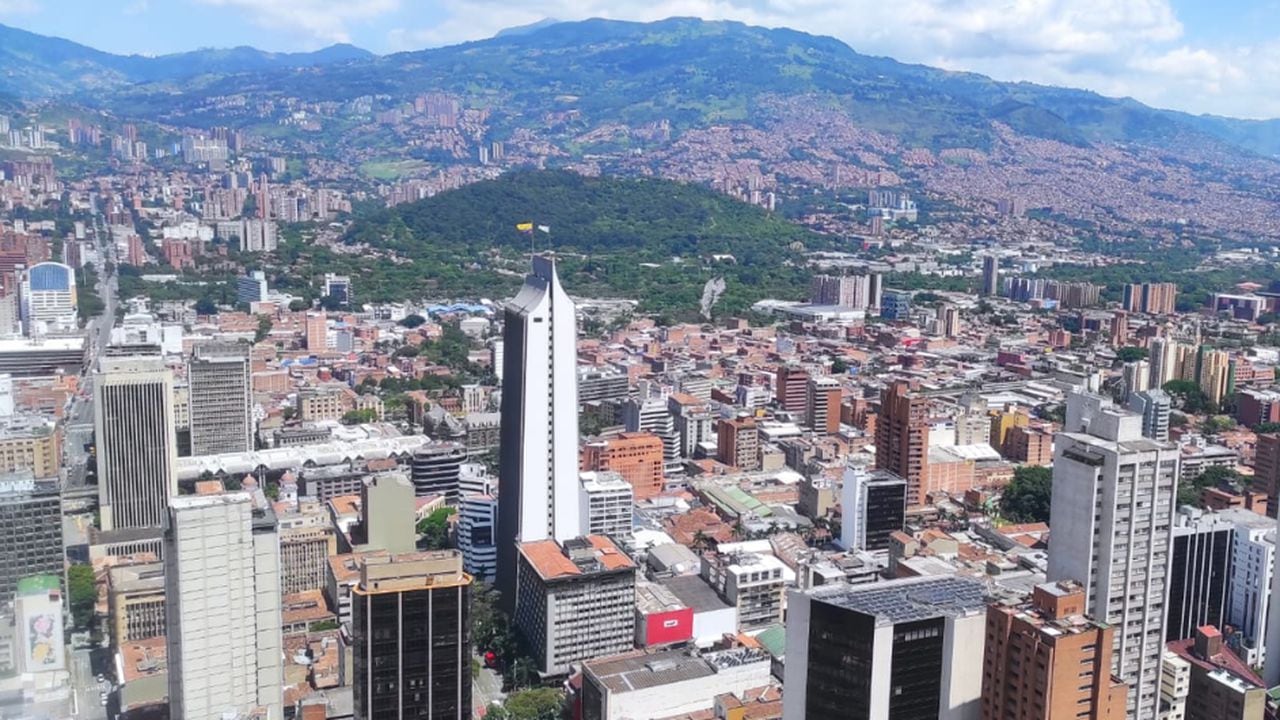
{"type": "Point", "coordinates": [38, 66]}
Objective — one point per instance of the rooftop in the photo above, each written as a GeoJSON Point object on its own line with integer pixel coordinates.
{"type": "Point", "coordinates": [552, 561]}
{"type": "Point", "coordinates": [908, 600]}
{"type": "Point", "coordinates": [640, 671]}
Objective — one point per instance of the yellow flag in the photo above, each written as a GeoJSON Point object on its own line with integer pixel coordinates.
{"type": "Point", "coordinates": [524, 227]}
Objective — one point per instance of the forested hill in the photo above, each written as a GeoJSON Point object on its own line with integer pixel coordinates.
{"type": "Point", "coordinates": [648, 239]}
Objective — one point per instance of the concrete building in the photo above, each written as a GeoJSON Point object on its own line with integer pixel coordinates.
{"type": "Point", "coordinates": [34, 447]}
{"type": "Point", "coordinates": [753, 583]}
{"type": "Point", "coordinates": [307, 540]}
{"type": "Point", "coordinates": [137, 446]}
{"type": "Point", "coordinates": [317, 332]}
{"type": "Point", "coordinates": [135, 601]}
{"type": "Point", "coordinates": [1155, 406]}
{"type": "Point", "coordinates": [574, 601]}
{"type": "Point", "coordinates": [40, 641]}
{"type": "Point", "coordinates": [1113, 504]}
{"type": "Point", "coordinates": [1222, 686]}
{"type": "Point", "coordinates": [437, 470]}
{"type": "Point", "coordinates": [669, 683]}
{"type": "Point", "coordinates": [251, 287]}
{"type": "Point", "coordinates": [595, 384]}
{"type": "Point", "coordinates": [1175, 685]}
{"type": "Point", "coordinates": [1046, 660]}
{"type": "Point", "coordinates": [872, 507]}
{"type": "Point", "coordinates": [895, 305]}
{"type": "Point", "coordinates": [220, 393]}
{"type": "Point", "coordinates": [48, 299]}
{"type": "Point", "coordinates": [1152, 298]}
{"type": "Point", "coordinates": [607, 505]}
{"type": "Point", "coordinates": [1266, 470]}
{"type": "Point", "coordinates": [411, 627]}
{"type": "Point", "coordinates": [902, 437]}
{"type": "Point", "coordinates": [222, 590]}
{"type": "Point", "coordinates": [635, 456]}
{"type": "Point", "coordinates": [789, 388]}
{"type": "Point", "coordinates": [538, 481]}
{"type": "Point", "coordinates": [477, 521]}
{"type": "Point", "coordinates": [887, 651]}
{"type": "Point", "coordinates": [1253, 556]}
{"type": "Point", "coordinates": [738, 443]}
{"type": "Point", "coordinates": [338, 287]}
{"type": "Point", "coordinates": [861, 292]}
{"type": "Point", "coordinates": [693, 422]}
{"type": "Point", "coordinates": [30, 531]}
{"type": "Point", "coordinates": [822, 405]}
{"type": "Point", "coordinates": [990, 275]}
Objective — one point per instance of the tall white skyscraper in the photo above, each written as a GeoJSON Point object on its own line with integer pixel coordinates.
{"type": "Point", "coordinates": [137, 446]}
{"type": "Point", "coordinates": [48, 298]}
{"type": "Point", "coordinates": [1113, 510]}
{"type": "Point", "coordinates": [222, 603]}
{"type": "Point", "coordinates": [538, 476]}
{"type": "Point", "coordinates": [221, 398]}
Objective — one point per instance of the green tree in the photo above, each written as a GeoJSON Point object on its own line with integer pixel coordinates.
{"type": "Point", "coordinates": [1267, 428]}
{"type": "Point", "coordinates": [1188, 396]}
{"type": "Point", "coordinates": [1131, 354]}
{"type": "Point", "coordinates": [359, 417]}
{"type": "Point", "coordinates": [83, 593]}
{"type": "Point", "coordinates": [206, 306]}
{"type": "Point", "coordinates": [298, 305]}
{"type": "Point", "coordinates": [434, 529]}
{"type": "Point", "coordinates": [531, 704]}
{"type": "Point", "coordinates": [264, 328]}
{"type": "Point", "coordinates": [413, 321]}
{"type": "Point", "coordinates": [839, 366]}
{"type": "Point", "coordinates": [1028, 497]}
{"type": "Point", "coordinates": [1189, 491]}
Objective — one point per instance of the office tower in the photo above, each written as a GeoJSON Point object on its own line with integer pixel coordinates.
{"type": "Point", "coordinates": [37, 611]}
{"type": "Point", "coordinates": [338, 287]}
{"type": "Point", "coordinates": [949, 317]}
{"type": "Point", "coordinates": [48, 299]}
{"type": "Point", "coordinates": [1045, 659]}
{"type": "Point", "coordinates": [990, 275]}
{"type": "Point", "coordinates": [1162, 353]}
{"type": "Point", "coordinates": [137, 446]}
{"type": "Point", "coordinates": [1199, 572]}
{"type": "Point", "coordinates": [606, 505]}
{"type": "Point", "coordinates": [222, 590]}
{"type": "Point", "coordinates": [220, 394]}
{"type": "Point", "coordinates": [1153, 298]}
{"type": "Point", "coordinates": [251, 287]}
{"type": "Point", "coordinates": [789, 388]}
{"type": "Point", "coordinates": [477, 520]}
{"type": "Point", "coordinates": [893, 650]}
{"type": "Point", "coordinates": [872, 506]}
{"type": "Point", "coordinates": [437, 470]}
{"type": "Point", "coordinates": [635, 456]}
{"type": "Point", "coordinates": [30, 531]}
{"type": "Point", "coordinates": [895, 305]}
{"type": "Point", "coordinates": [1266, 470]}
{"type": "Point", "coordinates": [1113, 508]}
{"type": "Point", "coordinates": [538, 478]}
{"type": "Point", "coordinates": [1214, 376]}
{"type": "Point", "coordinates": [574, 601]}
{"type": "Point", "coordinates": [738, 443]}
{"type": "Point", "coordinates": [822, 405]}
{"type": "Point", "coordinates": [1155, 407]}
{"type": "Point", "coordinates": [307, 540]}
{"type": "Point", "coordinates": [317, 332]}
{"type": "Point", "coordinates": [1136, 377]}
{"type": "Point", "coordinates": [902, 437]}
{"type": "Point", "coordinates": [1253, 556]}
{"type": "Point", "coordinates": [411, 651]}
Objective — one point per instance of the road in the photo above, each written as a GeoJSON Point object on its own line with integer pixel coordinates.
{"type": "Point", "coordinates": [78, 422]}
{"type": "Point", "coordinates": [486, 689]}
{"type": "Point", "coordinates": [87, 691]}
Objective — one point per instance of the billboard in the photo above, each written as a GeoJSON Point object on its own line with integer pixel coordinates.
{"type": "Point", "coordinates": [38, 608]}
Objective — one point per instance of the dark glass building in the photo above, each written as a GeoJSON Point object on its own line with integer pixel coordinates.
{"type": "Point", "coordinates": [1199, 574]}
{"type": "Point", "coordinates": [412, 637]}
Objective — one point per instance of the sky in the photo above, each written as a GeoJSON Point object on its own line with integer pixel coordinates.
{"type": "Point", "coordinates": [1202, 56]}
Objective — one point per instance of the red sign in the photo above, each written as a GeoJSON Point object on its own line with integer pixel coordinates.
{"type": "Point", "coordinates": [668, 627]}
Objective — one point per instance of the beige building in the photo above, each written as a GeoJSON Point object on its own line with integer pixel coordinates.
{"type": "Point", "coordinates": [307, 539]}
{"type": "Point", "coordinates": [136, 601]}
{"type": "Point", "coordinates": [36, 448]}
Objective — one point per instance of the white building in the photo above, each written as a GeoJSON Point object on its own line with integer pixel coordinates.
{"type": "Point", "coordinates": [222, 593]}
{"type": "Point", "coordinates": [606, 505]}
{"type": "Point", "coordinates": [137, 446]}
{"type": "Point", "coordinates": [1113, 506]}
{"type": "Point", "coordinates": [538, 482]}
{"type": "Point", "coordinates": [846, 647]}
{"type": "Point", "coordinates": [48, 299]}
{"type": "Point", "coordinates": [1253, 557]}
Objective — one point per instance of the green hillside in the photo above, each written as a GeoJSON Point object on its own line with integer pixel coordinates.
{"type": "Point", "coordinates": [647, 239]}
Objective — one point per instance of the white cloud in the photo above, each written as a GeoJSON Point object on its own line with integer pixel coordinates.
{"type": "Point", "coordinates": [318, 21]}
{"type": "Point", "coordinates": [19, 7]}
{"type": "Point", "coordinates": [1117, 47]}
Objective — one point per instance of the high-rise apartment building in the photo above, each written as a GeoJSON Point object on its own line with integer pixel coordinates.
{"type": "Point", "coordinates": [538, 479]}
{"type": "Point", "coordinates": [477, 521]}
{"type": "Point", "coordinates": [822, 405]}
{"type": "Point", "coordinates": [575, 601]}
{"type": "Point", "coordinates": [694, 423]}
{"type": "Point", "coordinates": [137, 446]}
{"type": "Point", "coordinates": [860, 292]}
{"type": "Point", "coordinates": [30, 531]}
{"type": "Point", "coordinates": [636, 456]}
{"type": "Point", "coordinates": [1214, 375]}
{"type": "Point", "coordinates": [317, 332]}
{"type": "Point", "coordinates": [437, 470]}
{"type": "Point", "coordinates": [1253, 557]}
{"type": "Point", "coordinates": [1113, 506]}
{"type": "Point", "coordinates": [1266, 470]}
{"type": "Point", "coordinates": [220, 393]}
{"type": "Point", "coordinates": [607, 504]}
{"type": "Point", "coordinates": [789, 387]}
{"type": "Point", "coordinates": [895, 650]}
{"type": "Point", "coordinates": [1046, 660]}
{"type": "Point", "coordinates": [902, 437]}
{"type": "Point", "coordinates": [873, 506]}
{"type": "Point", "coordinates": [411, 650]}
{"type": "Point", "coordinates": [1152, 298]}
{"type": "Point", "coordinates": [222, 592]}
{"type": "Point", "coordinates": [990, 275]}
{"type": "Point", "coordinates": [1155, 406]}
{"type": "Point", "coordinates": [1136, 377]}
{"type": "Point", "coordinates": [738, 443]}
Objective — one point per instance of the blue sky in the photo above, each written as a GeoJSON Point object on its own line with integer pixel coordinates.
{"type": "Point", "coordinates": [1196, 55]}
